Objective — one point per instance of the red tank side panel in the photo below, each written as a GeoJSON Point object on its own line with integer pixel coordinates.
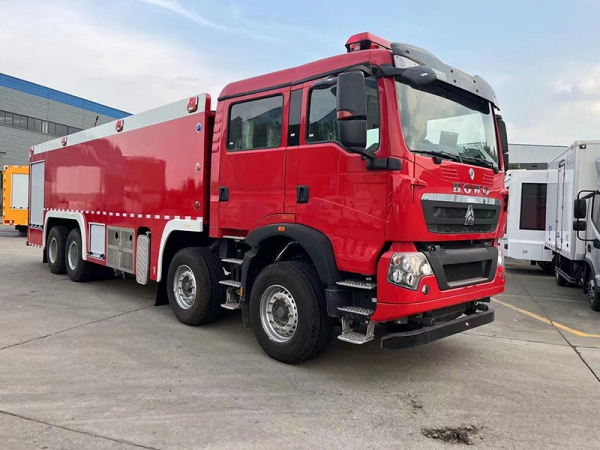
{"type": "Point", "coordinates": [135, 179]}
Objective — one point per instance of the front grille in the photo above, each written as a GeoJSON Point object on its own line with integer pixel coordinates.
{"type": "Point", "coordinates": [471, 264]}
{"type": "Point", "coordinates": [446, 217]}
{"type": "Point", "coordinates": [466, 271]}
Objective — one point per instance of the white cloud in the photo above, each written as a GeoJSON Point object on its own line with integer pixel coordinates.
{"type": "Point", "coordinates": [57, 44]}
{"type": "Point", "coordinates": [175, 6]}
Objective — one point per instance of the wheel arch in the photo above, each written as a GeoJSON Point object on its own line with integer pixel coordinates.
{"type": "Point", "coordinates": [67, 219]}
{"type": "Point", "coordinates": [310, 243]}
{"type": "Point", "coordinates": [177, 234]}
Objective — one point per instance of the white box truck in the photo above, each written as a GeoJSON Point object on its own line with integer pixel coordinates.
{"type": "Point", "coordinates": [573, 174]}
{"type": "Point", "coordinates": [526, 224]}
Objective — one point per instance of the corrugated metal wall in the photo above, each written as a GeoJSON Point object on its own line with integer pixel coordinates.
{"type": "Point", "coordinates": [15, 142]}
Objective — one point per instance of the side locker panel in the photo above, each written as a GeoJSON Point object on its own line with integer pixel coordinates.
{"type": "Point", "coordinates": [36, 209]}
{"type": "Point", "coordinates": [142, 259]}
{"type": "Point", "coordinates": [119, 251]}
{"type": "Point", "coordinates": [97, 240]}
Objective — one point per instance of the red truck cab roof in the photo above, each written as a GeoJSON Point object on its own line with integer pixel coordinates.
{"type": "Point", "coordinates": [300, 74]}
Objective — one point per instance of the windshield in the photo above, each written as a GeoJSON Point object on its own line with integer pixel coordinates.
{"type": "Point", "coordinates": [433, 124]}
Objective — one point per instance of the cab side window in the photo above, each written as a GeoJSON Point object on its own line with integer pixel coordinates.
{"type": "Point", "coordinates": [322, 115]}
{"type": "Point", "coordinates": [256, 124]}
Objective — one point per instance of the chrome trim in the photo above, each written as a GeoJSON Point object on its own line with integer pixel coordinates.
{"type": "Point", "coordinates": [461, 199]}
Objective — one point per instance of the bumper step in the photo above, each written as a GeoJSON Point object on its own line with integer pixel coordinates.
{"type": "Point", "coordinates": [426, 335]}
{"type": "Point", "coordinates": [358, 284]}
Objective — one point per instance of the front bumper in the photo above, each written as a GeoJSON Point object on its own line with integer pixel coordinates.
{"type": "Point", "coordinates": [426, 335]}
{"type": "Point", "coordinates": [395, 302]}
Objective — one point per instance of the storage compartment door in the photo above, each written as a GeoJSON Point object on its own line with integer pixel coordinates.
{"type": "Point", "coordinates": [36, 210]}
{"type": "Point", "coordinates": [20, 191]}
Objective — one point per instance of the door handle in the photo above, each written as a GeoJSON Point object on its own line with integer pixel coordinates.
{"type": "Point", "coordinates": [302, 194]}
{"type": "Point", "coordinates": [223, 193]}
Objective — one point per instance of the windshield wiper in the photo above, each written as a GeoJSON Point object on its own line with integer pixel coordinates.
{"type": "Point", "coordinates": [441, 154]}
{"type": "Point", "coordinates": [478, 160]}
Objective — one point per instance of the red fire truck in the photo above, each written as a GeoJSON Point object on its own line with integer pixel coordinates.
{"type": "Point", "coordinates": [359, 190]}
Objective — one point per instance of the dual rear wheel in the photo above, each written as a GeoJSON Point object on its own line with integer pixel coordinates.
{"type": "Point", "coordinates": [65, 254]}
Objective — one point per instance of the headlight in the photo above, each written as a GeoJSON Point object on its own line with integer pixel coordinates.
{"type": "Point", "coordinates": [407, 269]}
{"type": "Point", "coordinates": [500, 258]}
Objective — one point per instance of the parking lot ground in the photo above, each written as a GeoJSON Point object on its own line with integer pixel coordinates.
{"type": "Point", "coordinates": [96, 365]}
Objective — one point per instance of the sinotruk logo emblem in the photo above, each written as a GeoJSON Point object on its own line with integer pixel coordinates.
{"type": "Point", "coordinates": [471, 174]}
{"type": "Point", "coordinates": [470, 216]}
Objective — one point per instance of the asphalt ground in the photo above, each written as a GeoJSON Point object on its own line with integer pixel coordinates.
{"type": "Point", "coordinates": [96, 365]}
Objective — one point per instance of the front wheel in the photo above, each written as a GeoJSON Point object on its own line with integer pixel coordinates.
{"type": "Point", "coordinates": [593, 293]}
{"type": "Point", "coordinates": [289, 317]}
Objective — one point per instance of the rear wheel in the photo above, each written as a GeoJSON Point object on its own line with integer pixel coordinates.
{"type": "Point", "coordinates": [77, 268]}
{"type": "Point", "coordinates": [193, 285]}
{"type": "Point", "coordinates": [289, 317]}
{"type": "Point", "coordinates": [560, 280]}
{"type": "Point", "coordinates": [55, 249]}
{"type": "Point", "coordinates": [546, 266]}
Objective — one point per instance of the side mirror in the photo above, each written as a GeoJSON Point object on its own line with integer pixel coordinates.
{"type": "Point", "coordinates": [503, 140]}
{"type": "Point", "coordinates": [417, 76]}
{"type": "Point", "coordinates": [579, 225]}
{"type": "Point", "coordinates": [579, 208]}
{"type": "Point", "coordinates": [352, 112]}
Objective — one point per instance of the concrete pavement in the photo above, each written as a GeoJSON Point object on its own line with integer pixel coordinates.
{"type": "Point", "coordinates": [95, 365]}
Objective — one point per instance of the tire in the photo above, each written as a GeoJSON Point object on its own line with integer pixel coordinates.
{"type": "Point", "coordinates": [55, 249]}
{"type": "Point", "coordinates": [202, 306]}
{"type": "Point", "coordinates": [77, 269]}
{"type": "Point", "coordinates": [305, 333]}
{"type": "Point", "coordinates": [546, 266]}
{"type": "Point", "coordinates": [560, 280]}
{"type": "Point", "coordinates": [593, 293]}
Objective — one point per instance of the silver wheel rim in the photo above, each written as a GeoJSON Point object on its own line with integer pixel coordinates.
{"type": "Point", "coordinates": [52, 250]}
{"type": "Point", "coordinates": [278, 313]}
{"type": "Point", "coordinates": [73, 255]}
{"type": "Point", "coordinates": [184, 287]}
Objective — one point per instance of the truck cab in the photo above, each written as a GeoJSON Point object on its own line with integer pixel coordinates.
{"type": "Point", "coordinates": [383, 168]}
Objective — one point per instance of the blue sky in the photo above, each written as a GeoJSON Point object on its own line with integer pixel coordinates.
{"type": "Point", "coordinates": [543, 58]}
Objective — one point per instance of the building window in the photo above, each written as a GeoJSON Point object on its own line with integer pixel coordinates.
{"type": "Point", "coordinates": [256, 124]}
{"type": "Point", "coordinates": [33, 124]}
{"type": "Point", "coordinates": [533, 206]}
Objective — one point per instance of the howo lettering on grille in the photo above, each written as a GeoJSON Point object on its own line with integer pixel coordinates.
{"type": "Point", "coordinates": [470, 188]}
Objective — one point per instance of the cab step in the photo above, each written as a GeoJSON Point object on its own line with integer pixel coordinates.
{"type": "Point", "coordinates": [357, 284]}
{"type": "Point", "coordinates": [232, 283]}
{"type": "Point", "coordinates": [236, 261]}
{"type": "Point", "coordinates": [355, 312]}
{"type": "Point", "coordinates": [354, 337]}
{"type": "Point", "coordinates": [231, 306]}
{"type": "Point", "coordinates": [235, 238]}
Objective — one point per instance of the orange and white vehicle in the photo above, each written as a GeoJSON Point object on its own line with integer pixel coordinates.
{"type": "Point", "coordinates": [15, 195]}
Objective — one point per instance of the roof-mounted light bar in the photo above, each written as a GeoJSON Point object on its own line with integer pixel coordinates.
{"type": "Point", "coordinates": [366, 41]}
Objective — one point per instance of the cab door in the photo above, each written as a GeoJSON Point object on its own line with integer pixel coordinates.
{"type": "Point", "coordinates": [253, 161]}
{"type": "Point", "coordinates": [335, 193]}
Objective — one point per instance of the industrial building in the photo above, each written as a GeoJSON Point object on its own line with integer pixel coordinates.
{"type": "Point", "coordinates": [31, 114]}
{"type": "Point", "coordinates": [532, 157]}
